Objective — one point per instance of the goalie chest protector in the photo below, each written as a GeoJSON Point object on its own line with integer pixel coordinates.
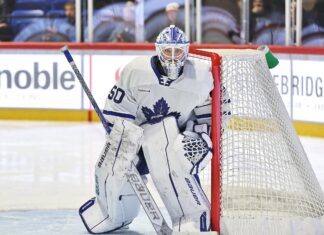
{"type": "Point", "coordinates": [157, 97]}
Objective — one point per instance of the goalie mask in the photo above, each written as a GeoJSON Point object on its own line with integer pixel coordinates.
{"type": "Point", "coordinates": [172, 49]}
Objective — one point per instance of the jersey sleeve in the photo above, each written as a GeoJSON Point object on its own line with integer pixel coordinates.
{"type": "Point", "coordinates": [120, 103]}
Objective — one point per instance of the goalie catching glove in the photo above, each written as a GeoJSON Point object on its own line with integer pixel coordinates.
{"type": "Point", "coordinates": [196, 147]}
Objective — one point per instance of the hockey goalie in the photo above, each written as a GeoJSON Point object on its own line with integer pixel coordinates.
{"type": "Point", "coordinates": [159, 112]}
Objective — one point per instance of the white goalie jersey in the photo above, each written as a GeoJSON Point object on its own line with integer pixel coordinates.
{"type": "Point", "coordinates": [143, 95]}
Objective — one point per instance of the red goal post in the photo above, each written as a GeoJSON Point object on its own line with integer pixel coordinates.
{"type": "Point", "coordinates": [215, 60]}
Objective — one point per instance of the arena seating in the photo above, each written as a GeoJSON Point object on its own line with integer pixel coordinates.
{"type": "Point", "coordinates": [22, 18]}
{"type": "Point", "coordinates": [29, 12]}
{"type": "Point", "coordinates": [32, 5]}
{"type": "Point", "coordinates": [55, 13]}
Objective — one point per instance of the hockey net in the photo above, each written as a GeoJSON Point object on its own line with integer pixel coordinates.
{"type": "Point", "coordinates": [260, 180]}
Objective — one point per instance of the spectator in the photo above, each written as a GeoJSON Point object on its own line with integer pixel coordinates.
{"type": "Point", "coordinates": [47, 30]}
{"type": "Point", "coordinates": [125, 29]}
{"type": "Point", "coordinates": [169, 14]}
{"type": "Point", "coordinates": [6, 7]}
{"type": "Point", "coordinates": [266, 23]}
{"type": "Point", "coordinates": [69, 12]}
{"type": "Point", "coordinates": [51, 29]}
{"type": "Point", "coordinates": [313, 23]}
{"type": "Point", "coordinates": [61, 30]}
{"type": "Point", "coordinates": [171, 11]}
{"type": "Point", "coordinates": [259, 16]}
{"type": "Point", "coordinates": [313, 13]}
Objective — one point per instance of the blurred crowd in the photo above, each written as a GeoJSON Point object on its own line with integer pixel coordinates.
{"type": "Point", "coordinates": [121, 21]}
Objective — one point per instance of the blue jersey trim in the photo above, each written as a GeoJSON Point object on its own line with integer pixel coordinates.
{"type": "Point", "coordinates": [117, 114]}
{"type": "Point", "coordinates": [203, 222]}
{"type": "Point", "coordinates": [158, 74]}
{"type": "Point", "coordinates": [207, 115]}
{"type": "Point", "coordinates": [156, 71]}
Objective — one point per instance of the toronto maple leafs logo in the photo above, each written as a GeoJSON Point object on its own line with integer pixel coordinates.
{"type": "Point", "coordinates": [159, 112]}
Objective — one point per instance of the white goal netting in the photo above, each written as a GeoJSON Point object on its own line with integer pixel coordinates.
{"type": "Point", "coordinates": [267, 183]}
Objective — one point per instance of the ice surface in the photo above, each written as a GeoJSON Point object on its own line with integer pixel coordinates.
{"type": "Point", "coordinates": [47, 170]}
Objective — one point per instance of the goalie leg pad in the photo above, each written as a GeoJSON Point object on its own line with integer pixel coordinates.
{"type": "Point", "coordinates": [116, 204]}
{"type": "Point", "coordinates": [181, 193]}
{"type": "Point", "coordinates": [122, 212]}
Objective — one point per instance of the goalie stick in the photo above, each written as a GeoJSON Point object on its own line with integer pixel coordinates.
{"type": "Point", "coordinates": [143, 194]}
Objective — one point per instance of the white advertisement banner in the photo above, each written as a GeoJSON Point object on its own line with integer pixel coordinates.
{"type": "Point", "coordinates": [300, 81]}
{"type": "Point", "coordinates": [307, 88]}
{"type": "Point", "coordinates": [105, 71]}
{"type": "Point", "coordinates": [281, 75]}
{"type": "Point", "coordinates": [46, 81]}
{"type": "Point", "coordinates": [38, 81]}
